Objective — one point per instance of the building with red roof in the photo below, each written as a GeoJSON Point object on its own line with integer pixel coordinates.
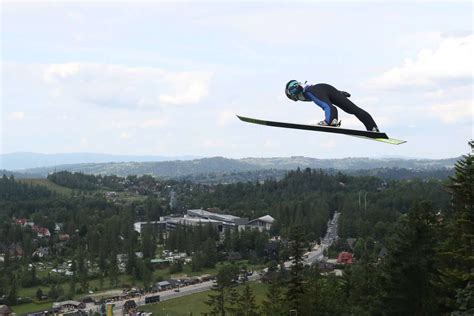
{"type": "Point", "coordinates": [344, 257]}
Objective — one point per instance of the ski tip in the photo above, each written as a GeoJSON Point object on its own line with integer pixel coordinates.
{"type": "Point", "coordinates": [391, 141]}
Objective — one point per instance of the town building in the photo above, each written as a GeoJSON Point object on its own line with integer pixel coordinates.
{"type": "Point", "coordinates": [344, 257]}
{"type": "Point", "coordinates": [5, 310]}
{"type": "Point", "coordinates": [156, 225]}
{"type": "Point", "coordinates": [262, 223]}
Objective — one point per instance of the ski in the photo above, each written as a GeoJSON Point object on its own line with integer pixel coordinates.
{"type": "Point", "coordinates": [377, 136]}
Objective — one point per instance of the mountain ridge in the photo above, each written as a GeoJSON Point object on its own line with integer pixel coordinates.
{"type": "Point", "coordinates": [219, 165]}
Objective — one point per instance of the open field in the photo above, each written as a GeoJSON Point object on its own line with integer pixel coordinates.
{"type": "Point", "coordinates": [194, 304]}
{"type": "Point", "coordinates": [30, 307]}
{"type": "Point", "coordinates": [105, 289]}
{"type": "Point", "coordinates": [50, 185]}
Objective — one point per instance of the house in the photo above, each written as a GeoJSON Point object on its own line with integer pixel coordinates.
{"type": "Point", "coordinates": [174, 283]}
{"type": "Point", "coordinates": [41, 252]}
{"type": "Point", "coordinates": [58, 227]}
{"type": "Point", "coordinates": [326, 266]}
{"type": "Point", "coordinates": [344, 257]}
{"type": "Point", "coordinates": [24, 222]}
{"type": "Point", "coordinates": [41, 231]}
{"type": "Point", "coordinates": [21, 221]}
{"type": "Point", "coordinates": [163, 285]}
{"type": "Point", "coordinates": [70, 305]}
{"type": "Point", "coordinates": [262, 223]}
{"type": "Point", "coordinates": [5, 310]}
{"type": "Point", "coordinates": [63, 237]}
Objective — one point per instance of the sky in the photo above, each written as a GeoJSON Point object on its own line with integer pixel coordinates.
{"type": "Point", "coordinates": [168, 78]}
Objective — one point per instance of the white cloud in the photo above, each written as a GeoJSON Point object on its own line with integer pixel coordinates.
{"type": "Point", "coordinates": [283, 24]}
{"type": "Point", "coordinates": [190, 88]}
{"type": "Point", "coordinates": [17, 116]}
{"type": "Point", "coordinates": [451, 60]}
{"type": "Point", "coordinates": [450, 92]}
{"type": "Point", "coordinates": [114, 85]}
{"type": "Point", "coordinates": [453, 112]}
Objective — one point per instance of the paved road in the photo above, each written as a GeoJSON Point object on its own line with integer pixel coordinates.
{"type": "Point", "coordinates": [317, 253]}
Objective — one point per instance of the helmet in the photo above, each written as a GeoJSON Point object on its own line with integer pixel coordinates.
{"type": "Point", "coordinates": [292, 89]}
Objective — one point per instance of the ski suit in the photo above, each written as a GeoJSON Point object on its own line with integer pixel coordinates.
{"type": "Point", "coordinates": [326, 96]}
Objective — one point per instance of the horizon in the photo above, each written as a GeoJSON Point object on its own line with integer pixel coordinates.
{"type": "Point", "coordinates": [28, 162]}
{"type": "Point", "coordinates": [141, 79]}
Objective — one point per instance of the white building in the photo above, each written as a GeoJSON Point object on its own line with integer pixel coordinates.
{"type": "Point", "coordinates": [262, 223]}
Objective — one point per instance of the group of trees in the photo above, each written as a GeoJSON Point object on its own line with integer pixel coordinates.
{"type": "Point", "coordinates": [428, 245]}
{"type": "Point", "coordinates": [427, 268]}
{"type": "Point", "coordinates": [89, 182]}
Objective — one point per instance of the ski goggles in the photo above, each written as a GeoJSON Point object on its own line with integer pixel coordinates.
{"type": "Point", "coordinates": [295, 88]}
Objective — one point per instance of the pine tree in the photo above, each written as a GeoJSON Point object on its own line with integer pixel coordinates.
{"type": "Point", "coordinates": [224, 279]}
{"type": "Point", "coordinates": [232, 301]}
{"type": "Point", "coordinates": [82, 270]}
{"type": "Point", "coordinates": [296, 288]}
{"type": "Point", "coordinates": [274, 304]}
{"type": "Point", "coordinates": [216, 300]}
{"type": "Point", "coordinates": [246, 303]}
{"type": "Point", "coordinates": [148, 242]}
{"type": "Point", "coordinates": [409, 268]}
{"type": "Point", "coordinates": [13, 292]}
{"type": "Point", "coordinates": [113, 270]}
{"type": "Point", "coordinates": [456, 252]}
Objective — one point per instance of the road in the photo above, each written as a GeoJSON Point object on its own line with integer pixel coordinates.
{"type": "Point", "coordinates": [317, 253]}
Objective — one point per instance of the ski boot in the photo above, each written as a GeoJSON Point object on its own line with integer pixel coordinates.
{"type": "Point", "coordinates": [334, 123]}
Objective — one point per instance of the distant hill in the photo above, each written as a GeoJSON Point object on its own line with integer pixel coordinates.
{"type": "Point", "coordinates": [27, 160]}
{"type": "Point", "coordinates": [220, 165]}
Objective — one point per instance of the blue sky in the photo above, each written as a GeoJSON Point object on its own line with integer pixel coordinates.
{"type": "Point", "coordinates": [167, 78]}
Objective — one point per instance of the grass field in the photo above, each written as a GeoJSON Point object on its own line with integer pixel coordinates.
{"type": "Point", "coordinates": [194, 304]}
{"type": "Point", "coordinates": [50, 185]}
{"type": "Point", "coordinates": [31, 307]}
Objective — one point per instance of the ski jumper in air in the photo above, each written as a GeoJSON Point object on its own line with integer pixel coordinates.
{"type": "Point", "coordinates": [326, 96]}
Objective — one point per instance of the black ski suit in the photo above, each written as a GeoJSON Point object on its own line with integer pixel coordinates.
{"type": "Point", "coordinates": [326, 96]}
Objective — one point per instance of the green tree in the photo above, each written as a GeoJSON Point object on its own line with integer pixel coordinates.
{"type": "Point", "coordinates": [148, 242]}
{"type": "Point", "coordinates": [225, 277]}
{"type": "Point", "coordinates": [456, 251]}
{"type": "Point", "coordinates": [274, 304]}
{"type": "Point", "coordinates": [246, 303]}
{"type": "Point", "coordinates": [39, 294]}
{"type": "Point", "coordinates": [296, 288]}
{"type": "Point", "coordinates": [82, 270]}
{"type": "Point", "coordinates": [409, 268]}
{"type": "Point", "coordinates": [13, 292]}
{"type": "Point", "coordinates": [232, 300]}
